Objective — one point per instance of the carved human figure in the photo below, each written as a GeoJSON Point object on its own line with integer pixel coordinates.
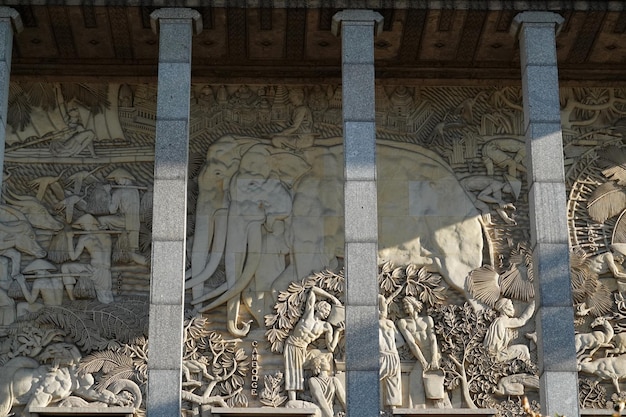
{"type": "Point", "coordinates": [311, 326]}
{"type": "Point", "coordinates": [611, 261]}
{"type": "Point", "coordinates": [390, 371]}
{"type": "Point", "coordinates": [498, 152]}
{"type": "Point", "coordinates": [124, 207]}
{"type": "Point", "coordinates": [486, 190]}
{"type": "Point", "coordinates": [299, 135]}
{"type": "Point", "coordinates": [324, 387]}
{"type": "Point", "coordinates": [419, 333]}
{"type": "Point", "coordinates": [75, 139]}
{"type": "Point", "coordinates": [98, 244]}
{"type": "Point", "coordinates": [49, 288]}
{"type": "Point", "coordinates": [499, 335]}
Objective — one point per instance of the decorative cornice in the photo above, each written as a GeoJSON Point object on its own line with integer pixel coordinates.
{"type": "Point", "coordinates": [517, 5]}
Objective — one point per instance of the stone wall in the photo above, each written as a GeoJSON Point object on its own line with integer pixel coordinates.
{"type": "Point", "coordinates": [264, 312]}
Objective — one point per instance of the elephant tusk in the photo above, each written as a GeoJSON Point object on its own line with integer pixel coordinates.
{"type": "Point", "coordinates": [215, 257]}
{"type": "Point", "coordinates": [246, 275]}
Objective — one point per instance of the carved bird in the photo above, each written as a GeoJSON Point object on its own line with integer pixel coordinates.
{"type": "Point", "coordinates": [81, 176]}
{"type": "Point", "coordinates": [68, 204]}
{"type": "Point", "coordinates": [42, 184]}
{"type": "Point", "coordinates": [466, 108]}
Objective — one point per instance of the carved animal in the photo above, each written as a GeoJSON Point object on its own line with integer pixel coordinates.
{"type": "Point", "coordinates": [247, 186]}
{"type": "Point", "coordinates": [42, 184]}
{"type": "Point", "coordinates": [20, 235]}
{"type": "Point", "coordinates": [192, 366]}
{"type": "Point", "coordinates": [619, 341]}
{"type": "Point", "coordinates": [36, 213]}
{"type": "Point", "coordinates": [516, 384]}
{"type": "Point", "coordinates": [24, 381]}
{"type": "Point", "coordinates": [594, 340]}
{"type": "Point", "coordinates": [80, 177]}
{"type": "Point", "coordinates": [613, 368]}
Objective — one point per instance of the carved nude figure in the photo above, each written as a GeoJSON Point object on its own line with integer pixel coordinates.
{"type": "Point", "coordinates": [499, 335]}
{"type": "Point", "coordinates": [312, 325]}
{"type": "Point", "coordinates": [498, 152]}
{"type": "Point", "coordinates": [419, 333]}
{"type": "Point", "coordinates": [390, 371]}
{"type": "Point", "coordinates": [487, 190]}
{"type": "Point", "coordinates": [611, 262]}
{"type": "Point", "coordinates": [98, 244]}
{"type": "Point", "coordinates": [324, 387]}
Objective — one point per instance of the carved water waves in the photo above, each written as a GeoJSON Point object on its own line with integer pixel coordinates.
{"type": "Point", "coordinates": [265, 250]}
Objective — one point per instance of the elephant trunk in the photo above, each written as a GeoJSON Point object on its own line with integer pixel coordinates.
{"type": "Point", "coordinates": [232, 313]}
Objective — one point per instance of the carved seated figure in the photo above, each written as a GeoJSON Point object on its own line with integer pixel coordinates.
{"type": "Point", "coordinates": [324, 387]}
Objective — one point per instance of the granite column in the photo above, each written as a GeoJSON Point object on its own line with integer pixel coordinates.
{"type": "Point", "coordinates": [10, 22]}
{"type": "Point", "coordinates": [357, 29]}
{"type": "Point", "coordinates": [547, 198]}
{"type": "Point", "coordinates": [175, 28]}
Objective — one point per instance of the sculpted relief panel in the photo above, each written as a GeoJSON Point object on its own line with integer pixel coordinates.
{"type": "Point", "coordinates": [265, 314]}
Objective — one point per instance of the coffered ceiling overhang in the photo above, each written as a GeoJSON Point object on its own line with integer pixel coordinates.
{"type": "Point", "coordinates": [291, 40]}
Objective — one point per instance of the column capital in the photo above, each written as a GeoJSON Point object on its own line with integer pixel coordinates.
{"type": "Point", "coordinates": [545, 18]}
{"type": "Point", "coordinates": [11, 13]}
{"type": "Point", "coordinates": [175, 13]}
{"type": "Point", "coordinates": [357, 16]}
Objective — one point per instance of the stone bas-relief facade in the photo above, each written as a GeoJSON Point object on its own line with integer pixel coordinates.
{"type": "Point", "coordinates": [268, 244]}
{"type": "Point", "coordinates": [594, 148]}
{"type": "Point", "coordinates": [265, 286]}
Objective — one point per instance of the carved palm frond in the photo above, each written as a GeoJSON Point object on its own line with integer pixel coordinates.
{"type": "Point", "coordinates": [105, 361]}
{"type": "Point", "coordinates": [517, 281]}
{"type": "Point", "coordinates": [124, 322]}
{"type": "Point", "coordinates": [516, 284]}
{"type": "Point", "coordinates": [619, 230]}
{"type": "Point", "coordinates": [583, 280]}
{"type": "Point", "coordinates": [94, 97]}
{"type": "Point", "coordinates": [613, 163]}
{"type": "Point", "coordinates": [483, 284]}
{"type": "Point", "coordinates": [586, 285]}
{"type": "Point", "coordinates": [77, 324]}
{"type": "Point", "coordinates": [599, 301]}
{"type": "Point", "coordinates": [606, 201]}
{"type": "Point", "coordinates": [19, 109]}
{"type": "Point", "coordinates": [41, 95]}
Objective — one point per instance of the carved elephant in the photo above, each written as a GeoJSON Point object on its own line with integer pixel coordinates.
{"type": "Point", "coordinates": [241, 210]}
{"type": "Point", "coordinates": [425, 217]}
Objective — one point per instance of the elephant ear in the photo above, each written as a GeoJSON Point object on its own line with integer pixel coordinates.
{"type": "Point", "coordinates": [289, 167]}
